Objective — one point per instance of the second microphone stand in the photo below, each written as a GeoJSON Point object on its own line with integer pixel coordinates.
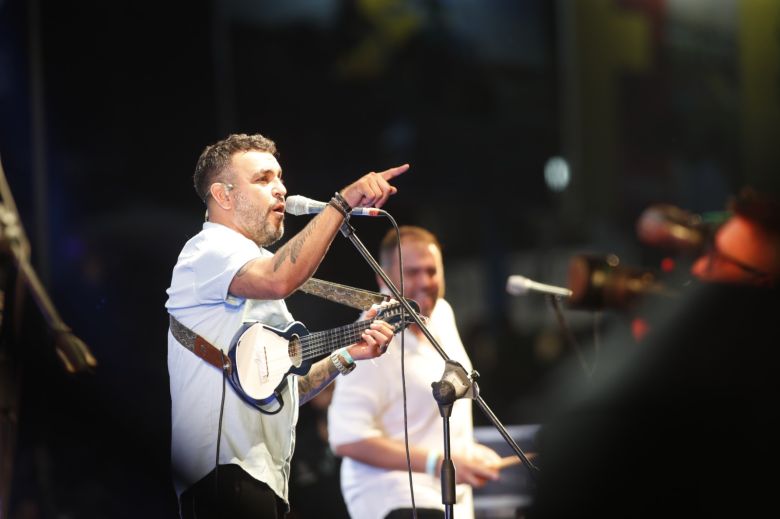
{"type": "Point", "coordinates": [455, 383]}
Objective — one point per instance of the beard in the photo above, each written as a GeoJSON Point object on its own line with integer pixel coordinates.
{"type": "Point", "coordinates": [427, 302]}
{"type": "Point", "coordinates": [260, 228]}
{"type": "Point", "coordinates": [425, 298]}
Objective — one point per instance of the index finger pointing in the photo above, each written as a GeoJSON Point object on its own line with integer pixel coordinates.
{"type": "Point", "coordinates": [394, 172]}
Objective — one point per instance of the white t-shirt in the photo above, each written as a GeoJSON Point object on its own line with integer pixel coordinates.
{"type": "Point", "coordinates": [368, 403]}
{"type": "Point", "coordinates": [198, 298]}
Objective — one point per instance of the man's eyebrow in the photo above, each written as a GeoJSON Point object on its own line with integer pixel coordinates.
{"type": "Point", "coordinates": [266, 171]}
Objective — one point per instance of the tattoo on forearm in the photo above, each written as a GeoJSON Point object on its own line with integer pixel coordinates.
{"type": "Point", "coordinates": [297, 243]}
{"type": "Point", "coordinates": [280, 256]}
{"type": "Point", "coordinates": [321, 374]}
{"type": "Point", "coordinates": [294, 246]}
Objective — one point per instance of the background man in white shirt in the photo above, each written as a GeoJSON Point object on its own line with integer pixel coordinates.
{"type": "Point", "coordinates": [366, 416]}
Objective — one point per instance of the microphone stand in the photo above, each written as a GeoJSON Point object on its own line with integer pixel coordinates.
{"type": "Point", "coordinates": [454, 384]}
{"type": "Point", "coordinates": [454, 377]}
{"type": "Point", "coordinates": [74, 354]}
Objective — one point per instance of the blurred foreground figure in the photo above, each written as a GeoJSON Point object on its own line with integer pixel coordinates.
{"type": "Point", "coordinates": [686, 424]}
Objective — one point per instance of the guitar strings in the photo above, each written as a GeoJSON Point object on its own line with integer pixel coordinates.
{"type": "Point", "coordinates": [318, 343]}
{"type": "Point", "coordinates": [315, 344]}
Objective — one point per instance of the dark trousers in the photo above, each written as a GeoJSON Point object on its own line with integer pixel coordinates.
{"type": "Point", "coordinates": [422, 513]}
{"type": "Point", "coordinates": [231, 492]}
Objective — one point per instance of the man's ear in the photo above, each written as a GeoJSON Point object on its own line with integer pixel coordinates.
{"type": "Point", "coordinates": [221, 195]}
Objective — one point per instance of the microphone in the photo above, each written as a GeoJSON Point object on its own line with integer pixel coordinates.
{"type": "Point", "coordinates": [298, 205]}
{"type": "Point", "coordinates": [520, 285]}
{"type": "Point", "coordinates": [669, 227]}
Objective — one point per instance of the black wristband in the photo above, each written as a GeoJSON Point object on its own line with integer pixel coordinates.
{"type": "Point", "coordinates": [340, 204]}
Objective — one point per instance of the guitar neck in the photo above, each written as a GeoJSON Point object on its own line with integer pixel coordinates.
{"type": "Point", "coordinates": [322, 343]}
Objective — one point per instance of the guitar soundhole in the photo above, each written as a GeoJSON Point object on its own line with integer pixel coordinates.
{"type": "Point", "coordinates": [295, 352]}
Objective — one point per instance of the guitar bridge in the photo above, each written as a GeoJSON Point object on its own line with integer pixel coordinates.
{"type": "Point", "coordinates": [262, 364]}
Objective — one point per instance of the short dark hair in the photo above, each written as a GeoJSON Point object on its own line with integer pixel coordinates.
{"type": "Point", "coordinates": [388, 249]}
{"type": "Point", "coordinates": [215, 158]}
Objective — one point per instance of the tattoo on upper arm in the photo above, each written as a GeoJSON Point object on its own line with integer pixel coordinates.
{"type": "Point", "coordinates": [243, 270]}
{"type": "Point", "coordinates": [294, 246]}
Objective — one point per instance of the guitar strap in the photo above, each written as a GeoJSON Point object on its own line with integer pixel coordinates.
{"type": "Point", "coordinates": [346, 295]}
{"type": "Point", "coordinates": [200, 346]}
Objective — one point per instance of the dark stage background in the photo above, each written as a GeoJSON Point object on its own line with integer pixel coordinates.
{"type": "Point", "coordinates": [105, 106]}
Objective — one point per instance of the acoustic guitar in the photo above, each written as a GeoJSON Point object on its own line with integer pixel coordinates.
{"type": "Point", "coordinates": [263, 356]}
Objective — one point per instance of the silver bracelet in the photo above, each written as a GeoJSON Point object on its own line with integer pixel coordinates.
{"type": "Point", "coordinates": [335, 358]}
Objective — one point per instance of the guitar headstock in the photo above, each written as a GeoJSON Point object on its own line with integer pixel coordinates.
{"type": "Point", "coordinates": [397, 316]}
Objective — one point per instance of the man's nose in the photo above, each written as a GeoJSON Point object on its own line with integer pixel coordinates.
{"type": "Point", "coordinates": [426, 279]}
{"type": "Point", "coordinates": [279, 188]}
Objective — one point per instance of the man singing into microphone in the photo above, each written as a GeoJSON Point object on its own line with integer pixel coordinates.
{"type": "Point", "coordinates": [228, 459]}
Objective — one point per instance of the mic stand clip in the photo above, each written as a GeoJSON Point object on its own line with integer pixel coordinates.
{"type": "Point", "coordinates": [454, 384]}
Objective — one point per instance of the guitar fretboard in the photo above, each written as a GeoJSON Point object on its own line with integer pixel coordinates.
{"type": "Point", "coordinates": [321, 343]}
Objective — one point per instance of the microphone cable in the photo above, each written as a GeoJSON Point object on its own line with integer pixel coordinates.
{"type": "Point", "coordinates": [219, 427]}
{"type": "Point", "coordinates": [570, 338]}
{"type": "Point", "coordinates": [403, 359]}
{"type": "Point", "coordinates": [403, 365]}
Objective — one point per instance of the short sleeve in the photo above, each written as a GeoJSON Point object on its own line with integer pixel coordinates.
{"type": "Point", "coordinates": [215, 265]}
{"type": "Point", "coordinates": [356, 405]}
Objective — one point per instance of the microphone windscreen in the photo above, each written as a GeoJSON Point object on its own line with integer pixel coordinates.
{"type": "Point", "coordinates": [517, 285]}
{"type": "Point", "coordinates": [297, 205]}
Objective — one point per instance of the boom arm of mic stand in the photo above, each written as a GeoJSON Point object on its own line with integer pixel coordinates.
{"type": "Point", "coordinates": [349, 231]}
